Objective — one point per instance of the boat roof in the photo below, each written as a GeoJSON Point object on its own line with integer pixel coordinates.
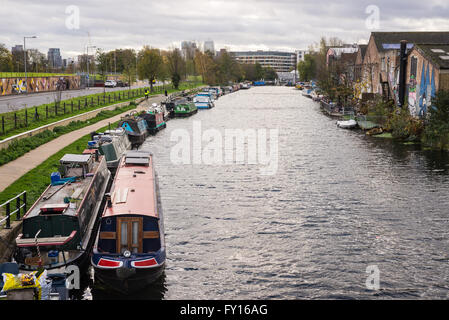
{"type": "Point", "coordinates": [55, 195]}
{"type": "Point", "coordinates": [133, 191]}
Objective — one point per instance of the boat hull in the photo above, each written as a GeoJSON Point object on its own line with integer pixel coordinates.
{"type": "Point", "coordinates": [128, 280]}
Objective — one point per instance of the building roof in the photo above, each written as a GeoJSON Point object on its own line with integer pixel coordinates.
{"type": "Point", "coordinates": [263, 53]}
{"type": "Point", "coordinates": [438, 54]}
{"type": "Point", "coordinates": [384, 39]}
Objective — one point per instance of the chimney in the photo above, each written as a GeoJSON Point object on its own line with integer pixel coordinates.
{"type": "Point", "coordinates": [402, 73]}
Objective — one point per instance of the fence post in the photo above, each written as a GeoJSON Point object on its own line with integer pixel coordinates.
{"type": "Point", "coordinates": [25, 203]}
{"type": "Point", "coordinates": [79, 105]}
{"type": "Point", "coordinates": [3, 124]}
{"type": "Point", "coordinates": [8, 218]}
{"type": "Point", "coordinates": [26, 117]}
{"type": "Point", "coordinates": [15, 120]}
{"type": "Point", "coordinates": [36, 114]}
{"type": "Point", "coordinates": [18, 208]}
{"type": "Point", "coordinates": [56, 109]}
{"type": "Point", "coordinates": [71, 102]}
{"type": "Point", "coordinates": [98, 100]}
{"type": "Point", "coordinates": [64, 107]}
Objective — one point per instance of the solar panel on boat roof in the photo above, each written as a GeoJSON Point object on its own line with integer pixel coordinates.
{"type": "Point", "coordinates": [82, 158]}
{"type": "Point", "coordinates": [134, 154]}
{"type": "Point", "coordinates": [144, 161]}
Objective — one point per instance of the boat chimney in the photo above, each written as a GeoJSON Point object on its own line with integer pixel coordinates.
{"type": "Point", "coordinates": [108, 200]}
{"type": "Point", "coordinates": [97, 156]}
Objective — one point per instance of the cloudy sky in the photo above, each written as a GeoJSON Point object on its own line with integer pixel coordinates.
{"type": "Point", "coordinates": [234, 24]}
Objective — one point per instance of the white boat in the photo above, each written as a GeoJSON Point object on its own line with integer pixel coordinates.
{"type": "Point", "coordinates": [348, 124]}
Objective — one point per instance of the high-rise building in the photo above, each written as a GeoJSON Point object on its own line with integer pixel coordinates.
{"type": "Point", "coordinates": [209, 46]}
{"type": "Point", "coordinates": [300, 54]}
{"type": "Point", "coordinates": [188, 49]}
{"type": "Point", "coordinates": [54, 58]}
{"type": "Point", "coordinates": [279, 61]}
{"type": "Point", "coordinates": [17, 48]}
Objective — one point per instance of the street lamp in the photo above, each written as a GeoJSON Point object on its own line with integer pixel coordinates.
{"type": "Point", "coordinates": [25, 58]}
{"type": "Point", "coordinates": [88, 62]}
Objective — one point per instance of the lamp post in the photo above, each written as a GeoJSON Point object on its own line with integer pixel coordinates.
{"type": "Point", "coordinates": [88, 62]}
{"type": "Point", "coordinates": [25, 60]}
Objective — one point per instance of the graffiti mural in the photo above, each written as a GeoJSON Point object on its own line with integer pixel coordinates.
{"type": "Point", "coordinates": [17, 85]}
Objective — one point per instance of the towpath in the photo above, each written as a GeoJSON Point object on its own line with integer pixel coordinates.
{"type": "Point", "coordinates": [13, 170]}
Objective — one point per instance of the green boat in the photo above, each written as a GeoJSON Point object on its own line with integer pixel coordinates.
{"type": "Point", "coordinates": [184, 108]}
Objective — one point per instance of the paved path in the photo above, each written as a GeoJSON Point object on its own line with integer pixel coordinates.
{"type": "Point", "coordinates": [13, 170]}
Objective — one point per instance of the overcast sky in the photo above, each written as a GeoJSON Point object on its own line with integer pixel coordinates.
{"type": "Point", "coordinates": [236, 25]}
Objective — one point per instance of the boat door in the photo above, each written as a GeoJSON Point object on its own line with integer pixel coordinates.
{"type": "Point", "coordinates": [129, 234]}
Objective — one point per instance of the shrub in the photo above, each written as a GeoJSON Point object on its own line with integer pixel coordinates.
{"type": "Point", "coordinates": [436, 132]}
{"type": "Point", "coordinates": [403, 126]}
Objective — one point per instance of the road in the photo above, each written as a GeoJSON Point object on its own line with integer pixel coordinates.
{"type": "Point", "coordinates": [16, 102]}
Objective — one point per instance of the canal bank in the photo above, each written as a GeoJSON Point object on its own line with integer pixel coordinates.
{"type": "Point", "coordinates": [339, 203]}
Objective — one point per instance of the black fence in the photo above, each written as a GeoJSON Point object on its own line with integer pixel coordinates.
{"type": "Point", "coordinates": [29, 117]}
{"type": "Point", "coordinates": [20, 202]}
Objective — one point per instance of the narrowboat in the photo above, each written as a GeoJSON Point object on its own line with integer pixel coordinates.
{"type": "Point", "coordinates": [60, 228]}
{"type": "Point", "coordinates": [184, 108]}
{"type": "Point", "coordinates": [136, 128]}
{"type": "Point", "coordinates": [169, 106]}
{"type": "Point", "coordinates": [155, 119]}
{"type": "Point", "coordinates": [129, 251]}
{"type": "Point", "coordinates": [112, 144]}
{"type": "Point", "coordinates": [203, 101]}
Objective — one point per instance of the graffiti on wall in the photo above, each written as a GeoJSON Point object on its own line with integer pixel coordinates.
{"type": "Point", "coordinates": [421, 94]}
{"type": "Point", "coordinates": [17, 85]}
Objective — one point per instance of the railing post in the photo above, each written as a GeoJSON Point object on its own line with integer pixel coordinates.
{"type": "Point", "coordinates": [25, 203]}
{"type": "Point", "coordinates": [8, 218]}
{"type": "Point", "coordinates": [18, 208]}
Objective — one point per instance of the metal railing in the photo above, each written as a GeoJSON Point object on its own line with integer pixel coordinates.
{"type": "Point", "coordinates": [21, 203]}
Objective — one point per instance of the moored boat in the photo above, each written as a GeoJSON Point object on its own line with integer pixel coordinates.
{"type": "Point", "coordinates": [112, 144]}
{"type": "Point", "coordinates": [136, 128]}
{"type": "Point", "coordinates": [348, 124]}
{"type": "Point", "coordinates": [154, 118]}
{"type": "Point", "coordinates": [129, 251]}
{"type": "Point", "coordinates": [60, 228]}
{"type": "Point", "coordinates": [184, 108]}
{"type": "Point", "coordinates": [203, 101]}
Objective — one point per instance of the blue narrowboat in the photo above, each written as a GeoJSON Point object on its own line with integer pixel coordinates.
{"type": "Point", "coordinates": [129, 251]}
{"type": "Point", "coordinates": [204, 100]}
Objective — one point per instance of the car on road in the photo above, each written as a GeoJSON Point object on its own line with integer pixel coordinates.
{"type": "Point", "coordinates": [110, 84]}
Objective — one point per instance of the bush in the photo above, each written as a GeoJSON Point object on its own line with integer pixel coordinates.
{"type": "Point", "coordinates": [436, 132]}
{"type": "Point", "coordinates": [403, 126]}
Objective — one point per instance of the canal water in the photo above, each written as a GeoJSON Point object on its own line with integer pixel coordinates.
{"type": "Point", "coordinates": [340, 204]}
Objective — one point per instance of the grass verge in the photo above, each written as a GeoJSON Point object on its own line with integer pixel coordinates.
{"type": "Point", "coordinates": [36, 180]}
{"type": "Point", "coordinates": [19, 147]}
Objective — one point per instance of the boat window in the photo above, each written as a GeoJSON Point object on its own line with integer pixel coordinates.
{"type": "Point", "coordinates": [124, 237]}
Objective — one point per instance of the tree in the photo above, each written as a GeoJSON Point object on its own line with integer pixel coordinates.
{"type": "Point", "coordinates": [128, 58]}
{"type": "Point", "coordinates": [259, 71]}
{"type": "Point", "coordinates": [307, 68]}
{"type": "Point", "coordinates": [206, 67]}
{"type": "Point", "coordinates": [150, 64]}
{"type": "Point", "coordinates": [6, 62]}
{"type": "Point", "coordinates": [270, 74]}
{"type": "Point", "coordinates": [176, 66]}
{"type": "Point", "coordinates": [102, 66]}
